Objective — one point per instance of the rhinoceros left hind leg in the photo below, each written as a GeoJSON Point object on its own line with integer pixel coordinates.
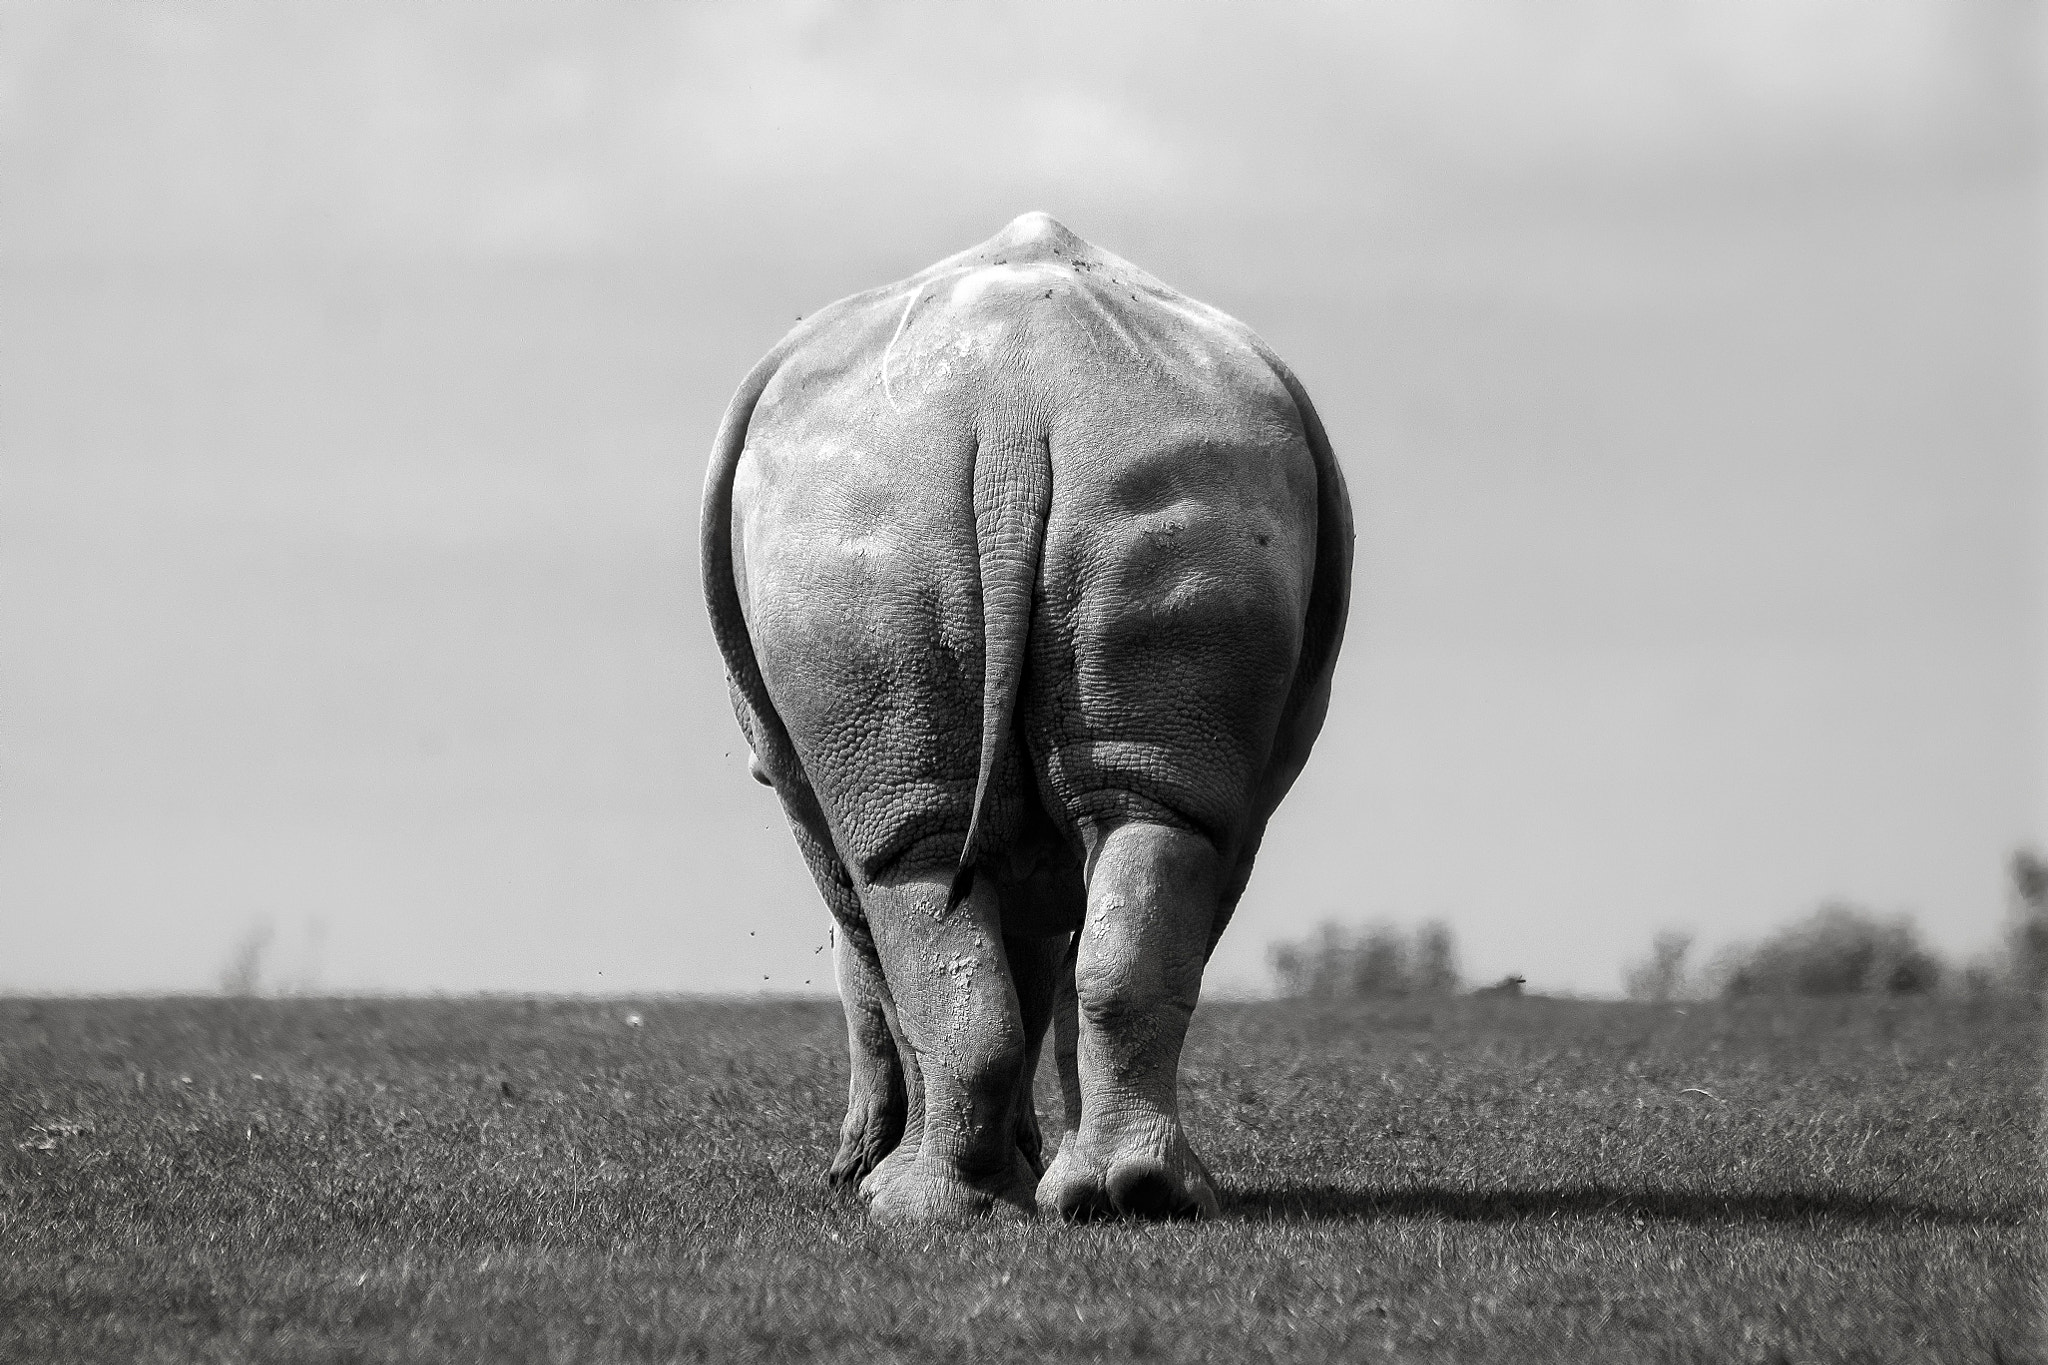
{"type": "Point", "coordinates": [957, 1009]}
{"type": "Point", "coordinates": [1152, 895]}
{"type": "Point", "coordinates": [877, 1100]}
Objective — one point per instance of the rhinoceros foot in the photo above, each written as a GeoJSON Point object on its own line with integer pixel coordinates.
{"type": "Point", "coordinates": [905, 1190]}
{"type": "Point", "coordinates": [1148, 1172]}
{"type": "Point", "coordinates": [871, 1131]}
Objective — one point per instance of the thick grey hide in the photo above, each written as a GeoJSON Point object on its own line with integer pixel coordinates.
{"type": "Point", "coordinates": [1029, 575]}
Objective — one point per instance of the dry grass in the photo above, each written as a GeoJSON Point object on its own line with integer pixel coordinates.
{"type": "Point", "coordinates": [1459, 1180]}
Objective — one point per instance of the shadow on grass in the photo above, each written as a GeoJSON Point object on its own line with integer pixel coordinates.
{"type": "Point", "coordinates": [1331, 1203]}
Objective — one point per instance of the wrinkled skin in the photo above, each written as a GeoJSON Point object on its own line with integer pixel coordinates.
{"type": "Point", "coordinates": [1029, 574]}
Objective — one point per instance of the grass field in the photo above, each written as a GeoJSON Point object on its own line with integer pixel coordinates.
{"type": "Point", "coordinates": [1471, 1179]}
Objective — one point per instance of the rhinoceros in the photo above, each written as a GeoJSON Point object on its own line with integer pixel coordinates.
{"type": "Point", "coordinates": [1029, 574]}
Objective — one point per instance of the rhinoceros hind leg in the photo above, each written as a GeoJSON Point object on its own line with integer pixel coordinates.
{"type": "Point", "coordinates": [1137, 975]}
{"type": "Point", "coordinates": [957, 1009]}
{"type": "Point", "coordinates": [877, 1101]}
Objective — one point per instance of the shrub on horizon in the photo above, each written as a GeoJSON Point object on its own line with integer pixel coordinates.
{"type": "Point", "coordinates": [242, 974]}
{"type": "Point", "coordinates": [1661, 976]}
{"type": "Point", "coordinates": [2026, 935]}
{"type": "Point", "coordinates": [1840, 949]}
{"type": "Point", "coordinates": [1334, 962]}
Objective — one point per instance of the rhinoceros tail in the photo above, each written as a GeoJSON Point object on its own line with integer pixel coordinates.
{"type": "Point", "coordinates": [1012, 497]}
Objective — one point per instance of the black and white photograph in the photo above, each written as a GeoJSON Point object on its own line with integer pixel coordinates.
{"type": "Point", "coordinates": [878, 680]}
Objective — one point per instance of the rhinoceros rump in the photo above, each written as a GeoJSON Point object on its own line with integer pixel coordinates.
{"type": "Point", "coordinates": [1029, 574]}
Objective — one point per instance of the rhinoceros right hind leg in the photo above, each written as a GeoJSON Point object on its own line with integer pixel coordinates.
{"type": "Point", "coordinates": [1152, 895]}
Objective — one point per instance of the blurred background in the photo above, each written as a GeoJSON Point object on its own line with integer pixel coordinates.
{"type": "Point", "coordinates": [359, 363]}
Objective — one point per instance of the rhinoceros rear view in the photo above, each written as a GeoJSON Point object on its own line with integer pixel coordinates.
{"type": "Point", "coordinates": [1029, 574]}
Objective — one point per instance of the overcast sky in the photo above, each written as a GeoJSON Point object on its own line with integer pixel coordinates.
{"type": "Point", "coordinates": [358, 365]}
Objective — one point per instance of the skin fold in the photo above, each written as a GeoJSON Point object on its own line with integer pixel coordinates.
{"type": "Point", "coordinates": [1029, 574]}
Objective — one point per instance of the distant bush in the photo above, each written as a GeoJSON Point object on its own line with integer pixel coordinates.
{"type": "Point", "coordinates": [1838, 950]}
{"type": "Point", "coordinates": [1380, 959]}
{"type": "Point", "coordinates": [243, 972]}
{"type": "Point", "coordinates": [1661, 975]}
{"type": "Point", "coordinates": [2026, 935]}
